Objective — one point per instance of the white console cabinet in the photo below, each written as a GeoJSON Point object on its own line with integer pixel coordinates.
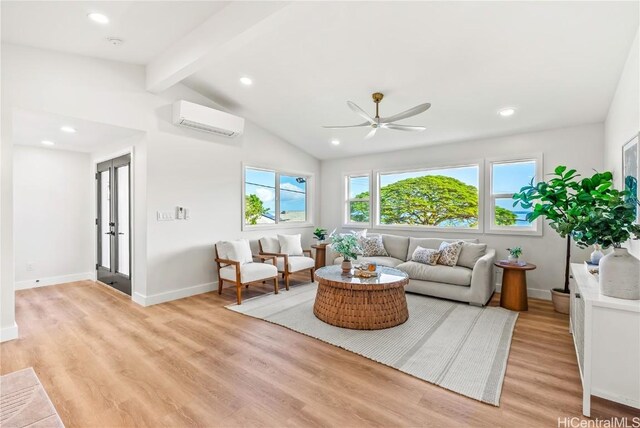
{"type": "Point", "coordinates": [606, 334]}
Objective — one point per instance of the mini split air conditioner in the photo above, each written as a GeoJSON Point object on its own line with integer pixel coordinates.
{"type": "Point", "coordinates": [206, 119]}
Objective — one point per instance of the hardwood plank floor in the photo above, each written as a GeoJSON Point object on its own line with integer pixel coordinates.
{"type": "Point", "coordinates": [106, 361]}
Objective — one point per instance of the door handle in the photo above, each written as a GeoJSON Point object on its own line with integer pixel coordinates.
{"type": "Point", "coordinates": [120, 233]}
{"type": "Point", "coordinates": [109, 233]}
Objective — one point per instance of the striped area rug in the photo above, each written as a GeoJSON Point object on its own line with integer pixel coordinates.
{"type": "Point", "coordinates": [456, 346]}
{"type": "Point", "coordinates": [24, 402]}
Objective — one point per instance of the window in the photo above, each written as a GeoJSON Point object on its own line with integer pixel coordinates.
{"type": "Point", "coordinates": [272, 198]}
{"type": "Point", "coordinates": [358, 201]}
{"type": "Point", "coordinates": [506, 178]}
{"type": "Point", "coordinates": [436, 198]}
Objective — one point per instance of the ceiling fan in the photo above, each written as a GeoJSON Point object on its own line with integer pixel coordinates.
{"type": "Point", "coordinates": [384, 122]}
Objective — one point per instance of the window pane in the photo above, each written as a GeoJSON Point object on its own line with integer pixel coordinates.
{"type": "Point", "coordinates": [505, 214]}
{"type": "Point", "coordinates": [293, 198]}
{"type": "Point", "coordinates": [512, 176]}
{"type": "Point", "coordinates": [122, 175]}
{"type": "Point", "coordinates": [446, 197]}
{"type": "Point", "coordinates": [105, 218]}
{"type": "Point", "coordinates": [359, 187]}
{"type": "Point", "coordinates": [359, 212]}
{"type": "Point", "coordinates": [260, 196]}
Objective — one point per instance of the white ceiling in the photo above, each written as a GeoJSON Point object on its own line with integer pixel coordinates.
{"type": "Point", "coordinates": [147, 27]}
{"type": "Point", "coordinates": [557, 63]}
{"type": "Point", "coordinates": [30, 128]}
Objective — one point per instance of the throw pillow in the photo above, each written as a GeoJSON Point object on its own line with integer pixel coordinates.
{"type": "Point", "coordinates": [291, 244]}
{"type": "Point", "coordinates": [373, 246]}
{"type": "Point", "coordinates": [360, 236]}
{"type": "Point", "coordinates": [239, 251]}
{"type": "Point", "coordinates": [425, 256]}
{"type": "Point", "coordinates": [449, 253]}
{"type": "Point", "coordinates": [270, 244]}
{"type": "Point", "coordinates": [470, 254]}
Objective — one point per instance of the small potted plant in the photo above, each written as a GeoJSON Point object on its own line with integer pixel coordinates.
{"type": "Point", "coordinates": [347, 246]}
{"type": "Point", "coordinates": [320, 234]}
{"type": "Point", "coordinates": [514, 254]}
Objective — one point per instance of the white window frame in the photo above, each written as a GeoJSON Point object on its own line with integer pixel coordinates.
{"type": "Point", "coordinates": [535, 228]}
{"type": "Point", "coordinates": [309, 177]}
{"type": "Point", "coordinates": [471, 163]}
{"type": "Point", "coordinates": [346, 217]}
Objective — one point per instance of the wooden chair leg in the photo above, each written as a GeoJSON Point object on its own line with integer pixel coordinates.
{"type": "Point", "coordinates": [286, 281]}
{"type": "Point", "coordinates": [275, 285]}
{"type": "Point", "coordinates": [246, 286]}
{"type": "Point", "coordinates": [312, 273]}
{"type": "Point", "coordinates": [220, 281]}
{"type": "Point", "coordinates": [239, 293]}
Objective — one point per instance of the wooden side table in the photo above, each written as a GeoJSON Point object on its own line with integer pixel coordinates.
{"type": "Point", "coordinates": [321, 255]}
{"type": "Point", "coordinates": [514, 285]}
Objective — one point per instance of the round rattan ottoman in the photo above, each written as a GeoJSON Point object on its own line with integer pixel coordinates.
{"type": "Point", "coordinates": [347, 301]}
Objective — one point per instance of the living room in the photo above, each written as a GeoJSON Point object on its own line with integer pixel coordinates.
{"type": "Point", "coordinates": [403, 127]}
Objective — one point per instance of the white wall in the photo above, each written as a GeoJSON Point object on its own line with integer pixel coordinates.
{"type": "Point", "coordinates": [180, 167]}
{"type": "Point", "coordinates": [53, 213]}
{"type": "Point", "coordinates": [578, 147]}
{"type": "Point", "coordinates": [623, 119]}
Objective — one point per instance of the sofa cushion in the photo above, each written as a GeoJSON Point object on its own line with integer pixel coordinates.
{"type": "Point", "coordinates": [449, 253]}
{"type": "Point", "coordinates": [372, 246]}
{"type": "Point", "coordinates": [249, 272]}
{"type": "Point", "coordinates": [296, 263]}
{"type": "Point", "coordinates": [433, 243]}
{"type": "Point", "coordinates": [425, 256]}
{"type": "Point", "coordinates": [470, 254]}
{"type": "Point", "coordinates": [270, 244]}
{"type": "Point", "coordinates": [396, 246]}
{"type": "Point", "coordinates": [381, 261]}
{"type": "Point", "coordinates": [456, 275]}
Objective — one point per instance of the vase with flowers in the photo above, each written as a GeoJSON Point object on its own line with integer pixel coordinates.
{"type": "Point", "coordinates": [347, 246]}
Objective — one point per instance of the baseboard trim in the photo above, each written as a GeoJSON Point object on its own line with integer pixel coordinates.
{"type": "Point", "coordinates": [34, 283]}
{"type": "Point", "coordinates": [168, 296]}
{"type": "Point", "coordinates": [9, 333]}
{"type": "Point", "coordinates": [535, 293]}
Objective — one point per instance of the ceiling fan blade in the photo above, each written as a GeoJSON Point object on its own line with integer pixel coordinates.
{"type": "Point", "coordinates": [347, 126]}
{"type": "Point", "coordinates": [408, 113]}
{"type": "Point", "coordinates": [404, 127]}
{"type": "Point", "coordinates": [371, 133]}
{"type": "Point", "coordinates": [360, 112]}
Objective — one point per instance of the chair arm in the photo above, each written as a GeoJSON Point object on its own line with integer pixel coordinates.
{"type": "Point", "coordinates": [285, 256]}
{"type": "Point", "coordinates": [265, 257]}
{"type": "Point", "coordinates": [307, 252]}
{"type": "Point", "coordinates": [228, 262]}
{"type": "Point", "coordinates": [482, 279]}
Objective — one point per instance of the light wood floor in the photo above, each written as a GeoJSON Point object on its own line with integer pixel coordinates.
{"type": "Point", "coordinates": [106, 361]}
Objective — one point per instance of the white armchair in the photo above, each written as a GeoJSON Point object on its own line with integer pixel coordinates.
{"type": "Point", "coordinates": [289, 255]}
{"type": "Point", "coordinates": [235, 264]}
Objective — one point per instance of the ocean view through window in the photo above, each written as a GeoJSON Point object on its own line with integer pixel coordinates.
{"type": "Point", "coordinates": [271, 197]}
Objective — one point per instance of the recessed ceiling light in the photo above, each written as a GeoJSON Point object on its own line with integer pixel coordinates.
{"type": "Point", "coordinates": [506, 112]}
{"type": "Point", "coordinates": [68, 129]}
{"type": "Point", "coordinates": [335, 142]}
{"type": "Point", "coordinates": [246, 81]}
{"type": "Point", "coordinates": [47, 143]}
{"type": "Point", "coordinates": [98, 17]}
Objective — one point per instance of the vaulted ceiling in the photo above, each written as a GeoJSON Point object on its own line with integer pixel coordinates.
{"type": "Point", "coordinates": [556, 63]}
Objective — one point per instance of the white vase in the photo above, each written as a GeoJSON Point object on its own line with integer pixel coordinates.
{"type": "Point", "coordinates": [596, 256]}
{"type": "Point", "coordinates": [620, 275]}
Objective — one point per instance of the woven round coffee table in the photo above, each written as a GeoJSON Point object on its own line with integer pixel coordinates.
{"type": "Point", "coordinates": [361, 303]}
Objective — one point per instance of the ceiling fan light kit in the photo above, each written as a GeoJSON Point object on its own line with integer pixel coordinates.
{"type": "Point", "coordinates": [386, 122]}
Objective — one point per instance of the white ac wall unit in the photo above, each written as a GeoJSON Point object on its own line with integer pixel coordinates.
{"type": "Point", "coordinates": [206, 119]}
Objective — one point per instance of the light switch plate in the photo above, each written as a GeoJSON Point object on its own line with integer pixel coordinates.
{"type": "Point", "coordinates": [165, 216]}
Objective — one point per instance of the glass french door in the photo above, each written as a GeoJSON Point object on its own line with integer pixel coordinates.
{"type": "Point", "coordinates": [113, 223]}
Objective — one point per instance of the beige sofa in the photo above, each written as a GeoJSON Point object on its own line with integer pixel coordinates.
{"type": "Point", "coordinates": [471, 280]}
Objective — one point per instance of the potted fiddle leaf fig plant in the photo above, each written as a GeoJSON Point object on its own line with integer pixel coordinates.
{"type": "Point", "coordinates": [347, 246]}
{"type": "Point", "coordinates": [561, 202]}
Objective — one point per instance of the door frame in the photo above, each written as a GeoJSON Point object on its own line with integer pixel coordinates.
{"type": "Point", "coordinates": [132, 224]}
